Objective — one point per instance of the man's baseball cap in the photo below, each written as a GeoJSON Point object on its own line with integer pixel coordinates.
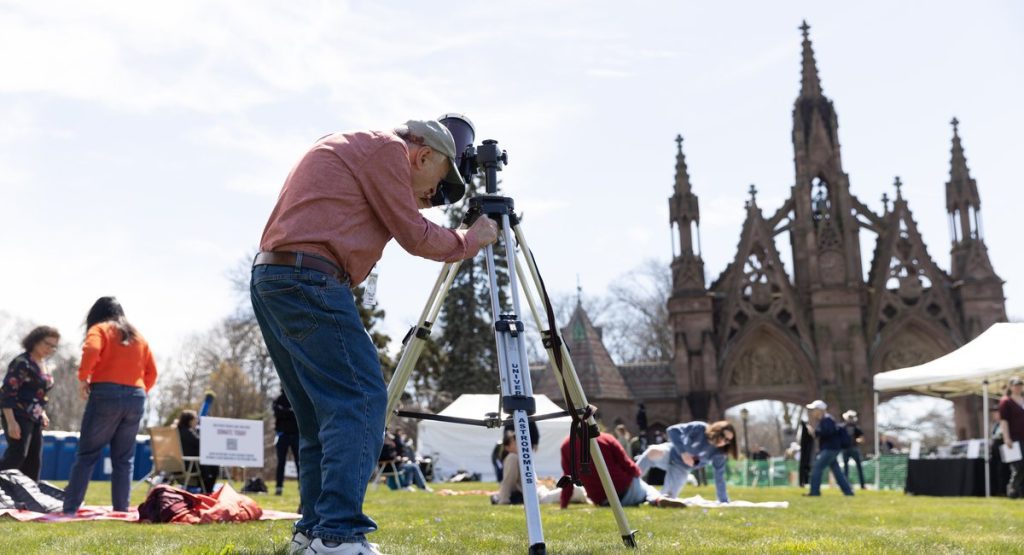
{"type": "Point", "coordinates": [817, 404]}
{"type": "Point", "coordinates": [436, 136]}
{"type": "Point", "coordinates": [1016, 381]}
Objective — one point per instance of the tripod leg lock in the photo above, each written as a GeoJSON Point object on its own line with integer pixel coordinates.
{"type": "Point", "coordinates": [551, 340]}
{"type": "Point", "coordinates": [518, 402]}
{"type": "Point", "coordinates": [419, 332]}
{"type": "Point", "coordinates": [510, 324]}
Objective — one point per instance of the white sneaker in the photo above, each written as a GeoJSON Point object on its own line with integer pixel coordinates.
{"type": "Point", "coordinates": [299, 544]}
{"type": "Point", "coordinates": [361, 548]}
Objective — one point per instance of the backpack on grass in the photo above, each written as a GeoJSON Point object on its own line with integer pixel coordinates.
{"type": "Point", "coordinates": [166, 504]}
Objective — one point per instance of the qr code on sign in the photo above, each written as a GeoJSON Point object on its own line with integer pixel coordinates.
{"type": "Point", "coordinates": [232, 444]}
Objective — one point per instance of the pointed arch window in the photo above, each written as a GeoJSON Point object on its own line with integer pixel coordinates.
{"type": "Point", "coordinates": [821, 200]}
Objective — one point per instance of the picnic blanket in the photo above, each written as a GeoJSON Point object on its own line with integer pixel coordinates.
{"type": "Point", "coordinates": [224, 505]}
{"type": "Point", "coordinates": [698, 501]}
{"type": "Point", "coordinates": [97, 512]}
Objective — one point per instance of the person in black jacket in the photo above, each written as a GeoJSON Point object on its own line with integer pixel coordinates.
{"type": "Point", "coordinates": [807, 452]}
{"type": "Point", "coordinates": [23, 397]}
{"type": "Point", "coordinates": [853, 451]}
{"type": "Point", "coordinates": [188, 424]}
{"type": "Point", "coordinates": [287, 437]}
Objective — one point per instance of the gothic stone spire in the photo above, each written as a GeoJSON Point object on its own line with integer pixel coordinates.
{"type": "Point", "coordinates": [810, 84]}
{"type": "Point", "coordinates": [962, 200]}
{"type": "Point", "coordinates": [684, 215]}
{"type": "Point", "coordinates": [684, 210]}
{"type": "Point", "coordinates": [682, 175]}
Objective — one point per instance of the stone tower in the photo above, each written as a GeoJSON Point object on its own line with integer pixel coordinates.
{"type": "Point", "coordinates": [978, 290]}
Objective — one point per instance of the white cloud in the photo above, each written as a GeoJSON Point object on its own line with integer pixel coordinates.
{"type": "Point", "coordinates": [608, 73]}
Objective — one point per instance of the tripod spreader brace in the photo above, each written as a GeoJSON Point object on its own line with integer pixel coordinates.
{"type": "Point", "coordinates": [491, 419]}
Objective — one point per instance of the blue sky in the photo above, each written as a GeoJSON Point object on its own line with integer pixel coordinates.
{"type": "Point", "coordinates": [142, 145]}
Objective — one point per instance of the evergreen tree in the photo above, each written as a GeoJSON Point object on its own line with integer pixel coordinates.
{"type": "Point", "coordinates": [467, 332]}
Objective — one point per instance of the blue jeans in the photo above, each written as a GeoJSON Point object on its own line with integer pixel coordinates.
{"type": "Point", "coordinates": [827, 459]}
{"type": "Point", "coordinates": [112, 416]}
{"type": "Point", "coordinates": [411, 474]}
{"type": "Point", "coordinates": [639, 492]}
{"type": "Point", "coordinates": [329, 369]}
{"type": "Point", "coordinates": [675, 477]}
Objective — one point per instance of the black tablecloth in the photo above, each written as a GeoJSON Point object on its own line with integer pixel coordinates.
{"type": "Point", "coordinates": [954, 477]}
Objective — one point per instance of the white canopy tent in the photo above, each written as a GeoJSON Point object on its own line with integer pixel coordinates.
{"type": "Point", "coordinates": [457, 447]}
{"type": "Point", "coordinates": [990, 359]}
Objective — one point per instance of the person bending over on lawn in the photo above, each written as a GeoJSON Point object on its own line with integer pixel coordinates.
{"type": "Point", "coordinates": [695, 445]}
{"type": "Point", "coordinates": [348, 196]}
{"type": "Point", "coordinates": [625, 475]}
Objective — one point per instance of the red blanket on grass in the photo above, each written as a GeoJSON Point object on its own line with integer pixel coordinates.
{"type": "Point", "coordinates": [224, 505]}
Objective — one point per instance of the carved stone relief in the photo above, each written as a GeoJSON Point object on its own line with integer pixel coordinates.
{"type": "Point", "coordinates": [908, 350]}
{"type": "Point", "coordinates": [764, 362]}
{"type": "Point", "coordinates": [833, 269]}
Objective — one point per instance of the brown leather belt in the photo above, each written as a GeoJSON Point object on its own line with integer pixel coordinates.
{"type": "Point", "coordinates": [301, 260]}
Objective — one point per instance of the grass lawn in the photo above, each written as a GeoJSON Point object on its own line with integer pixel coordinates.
{"type": "Point", "coordinates": [415, 523]}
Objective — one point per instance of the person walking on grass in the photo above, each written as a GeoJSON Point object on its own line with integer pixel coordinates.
{"type": "Point", "coordinates": [829, 447]}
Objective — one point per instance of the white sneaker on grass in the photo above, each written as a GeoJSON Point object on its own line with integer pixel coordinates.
{"type": "Point", "coordinates": [299, 544]}
{"type": "Point", "coordinates": [317, 547]}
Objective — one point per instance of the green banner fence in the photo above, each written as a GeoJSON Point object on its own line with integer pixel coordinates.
{"type": "Point", "coordinates": [779, 472]}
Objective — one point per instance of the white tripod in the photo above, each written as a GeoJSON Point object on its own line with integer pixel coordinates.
{"type": "Point", "coordinates": [513, 363]}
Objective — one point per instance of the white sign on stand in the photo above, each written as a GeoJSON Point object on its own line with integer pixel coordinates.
{"type": "Point", "coordinates": [230, 442]}
{"type": "Point", "coordinates": [974, 448]}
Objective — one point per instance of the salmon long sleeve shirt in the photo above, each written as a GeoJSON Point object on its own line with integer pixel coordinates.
{"type": "Point", "coordinates": [347, 197]}
{"type": "Point", "coordinates": [106, 359]}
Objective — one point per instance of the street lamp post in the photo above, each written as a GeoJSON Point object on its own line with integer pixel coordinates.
{"type": "Point", "coordinates": [744, 414]}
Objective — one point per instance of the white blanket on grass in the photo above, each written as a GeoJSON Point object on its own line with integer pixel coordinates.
{"type": "Point", "coordinates": [698, 501]}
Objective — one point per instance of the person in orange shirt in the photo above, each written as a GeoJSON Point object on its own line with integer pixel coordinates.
{"type": "Point", "coordinates": [116, 372]}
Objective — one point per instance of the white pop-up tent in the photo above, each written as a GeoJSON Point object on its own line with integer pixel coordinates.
{"type": "Point", "coordinates": [457, 447]}
{"type": "Point", "coordinates": [990, 359]}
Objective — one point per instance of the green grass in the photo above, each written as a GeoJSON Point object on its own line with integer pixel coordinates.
{"type": "Point", "coordinates": [416, 523]}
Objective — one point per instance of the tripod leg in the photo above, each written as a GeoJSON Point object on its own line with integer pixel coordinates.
{"type": "Point", "coordinates": [412, 350]}
{"type": "Point", "coordinates": [517, 392]}
{"type": "Point", "coordinates": [574, 390]}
